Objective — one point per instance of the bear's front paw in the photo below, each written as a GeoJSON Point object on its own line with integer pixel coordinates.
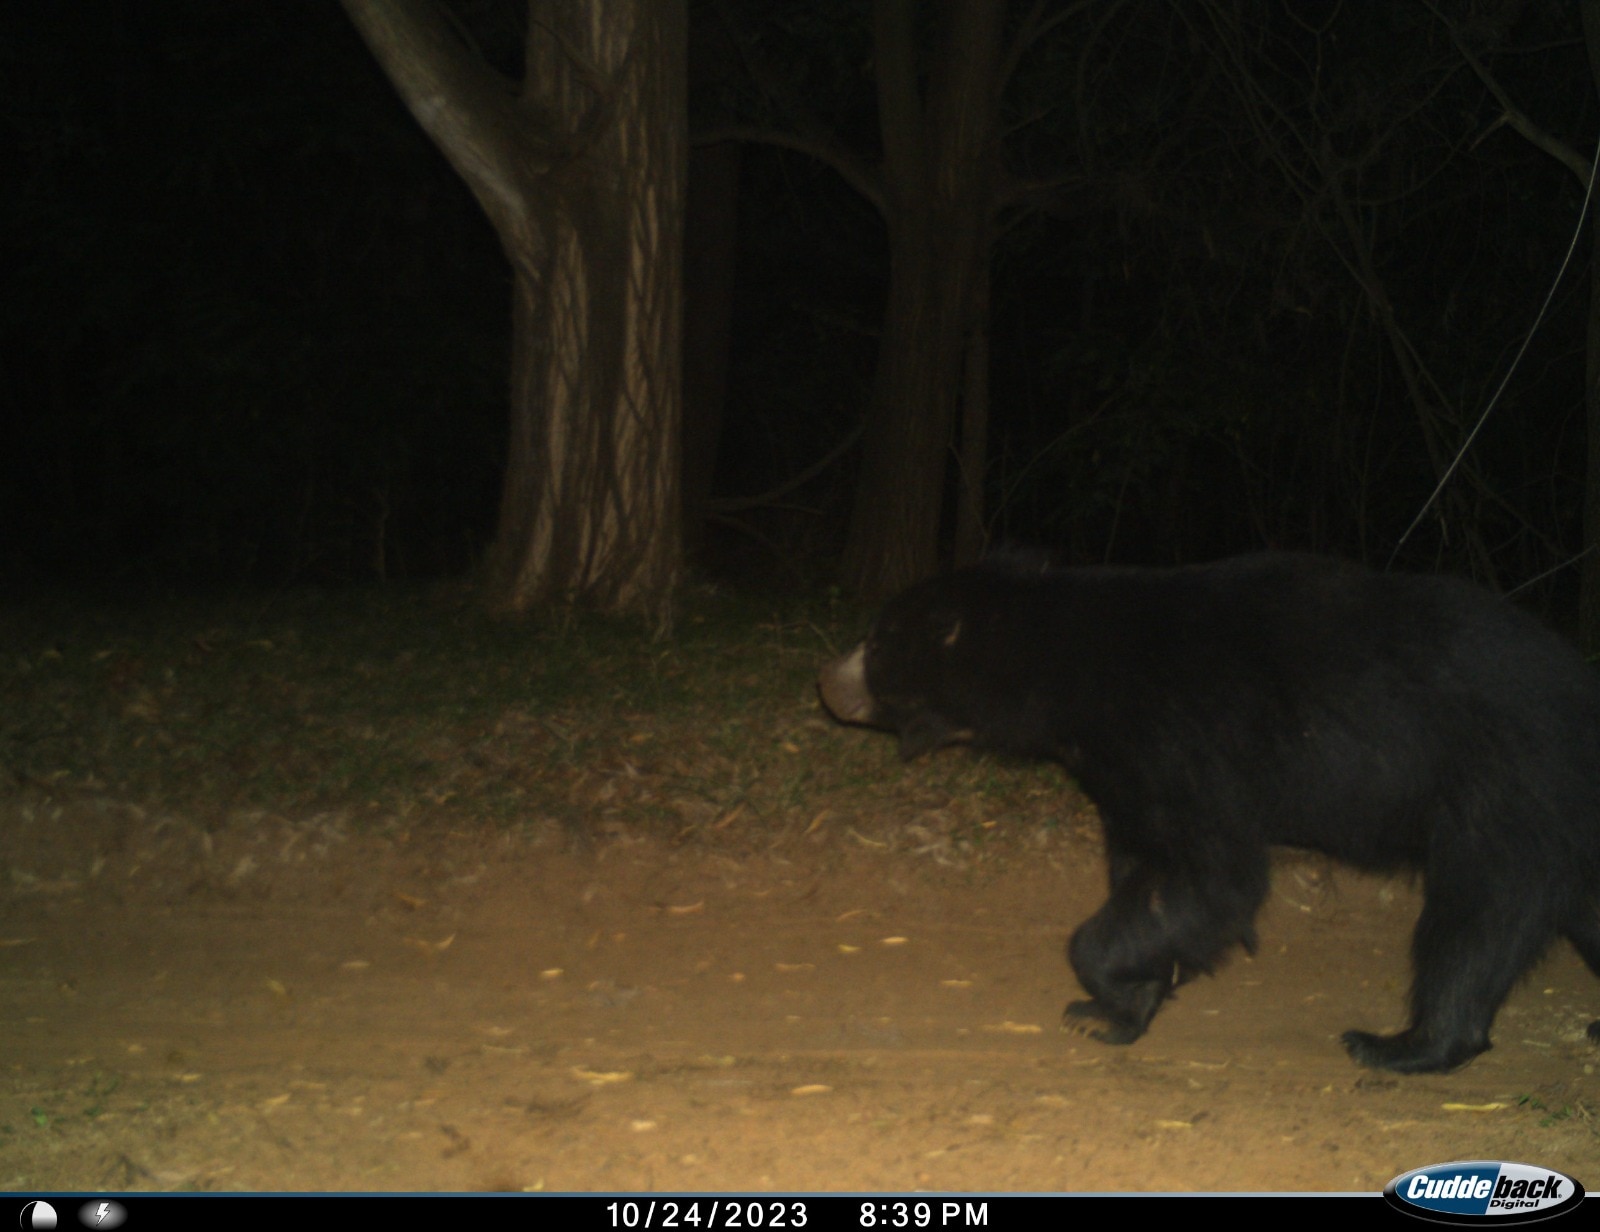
{"type": "Point", "coordinates": [1093, 1020]}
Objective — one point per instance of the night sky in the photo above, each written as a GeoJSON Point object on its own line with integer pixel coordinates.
{"type": "Point", "coordinates": [256, 330]}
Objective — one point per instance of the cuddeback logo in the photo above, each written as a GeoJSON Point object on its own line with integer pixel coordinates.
{"type": "Point", "coordinates": [1483, 1191]}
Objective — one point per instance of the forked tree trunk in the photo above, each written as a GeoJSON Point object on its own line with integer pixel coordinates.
{"type": "Point", "coordinates": [581, 171]}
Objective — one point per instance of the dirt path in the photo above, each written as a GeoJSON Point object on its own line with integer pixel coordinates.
{"type": "Point", "coordinates": [283, 1007]}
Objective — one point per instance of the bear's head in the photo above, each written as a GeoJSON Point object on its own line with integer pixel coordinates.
{"type": "Point", "coordinates": [906, 676]}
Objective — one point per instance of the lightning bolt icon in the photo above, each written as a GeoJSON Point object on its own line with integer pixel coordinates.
{"type": "Point", "coordinates": [101, 1213]}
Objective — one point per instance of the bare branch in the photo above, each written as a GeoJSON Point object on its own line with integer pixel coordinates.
{"type": "Point", "coordinates": [804, 133]}
{"type": "Point", "coordinates": [864, 179]}
{"type": "Point", "coordinates": [1514, 115]}
{"type": "Point", "coordinates": [732, 504]}
{"type": "Point", "coordinates": [1034, 27]}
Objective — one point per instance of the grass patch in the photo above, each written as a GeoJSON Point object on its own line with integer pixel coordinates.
{"type": "Point", "coordinates": [407, 706]}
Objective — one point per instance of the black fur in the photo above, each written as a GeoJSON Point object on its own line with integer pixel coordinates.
{"type": "Point", "coordinates": [1389, 720]}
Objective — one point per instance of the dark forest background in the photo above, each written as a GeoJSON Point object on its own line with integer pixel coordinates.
{"type": "Point", "coordinates": [1257, 269]}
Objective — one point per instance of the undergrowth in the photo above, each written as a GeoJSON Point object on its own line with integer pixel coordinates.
{"type": "Point", "coordinates": [409, 707]}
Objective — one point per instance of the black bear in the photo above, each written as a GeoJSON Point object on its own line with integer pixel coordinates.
{"type": "Point", "coordinates": [1389, 720]}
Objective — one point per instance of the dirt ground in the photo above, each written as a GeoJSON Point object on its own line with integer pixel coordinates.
{"type": "Point", "coordinates": [304, 1007]}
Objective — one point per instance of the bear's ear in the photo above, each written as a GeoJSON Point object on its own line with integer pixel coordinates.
{"type": "Point", "coordinates": [922, 733]}
{"type": "Point", "coordinates": [944, 628]}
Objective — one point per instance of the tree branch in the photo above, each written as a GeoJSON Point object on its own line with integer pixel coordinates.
{"type": "Point", "coordinates": [1034, 27]}
{"type": "Point", "coordinates": [731, 504]}
{"type": "Point", "coordinates": [470, 111]}
{"type": "Point", "coordinates": [1514, 115]}
{"type": "Point", "coordinates": [864, 179]}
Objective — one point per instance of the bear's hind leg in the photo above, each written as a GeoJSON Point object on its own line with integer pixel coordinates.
{"type": "Point", "coordinates": [1470, 948]}
{"type": "Point", "coordinates": [1583, 930]}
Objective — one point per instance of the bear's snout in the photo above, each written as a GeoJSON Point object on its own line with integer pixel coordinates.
{"type": "Point", "coordinates": [843, 686]}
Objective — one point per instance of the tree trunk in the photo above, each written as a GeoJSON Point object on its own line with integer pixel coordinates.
{"type": "Point", "coordinates": [709, 255]}
{"type": "Point", "coordinates": [939, 194]}
{"type": "Point", "coordinates": [581, 171]}
{"type": "Point", "coordinates": [894, 528]}
{"type": "Point", "coordinates": [589, 512]}
{"type": "Point", "coordinates": [972, 531]}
